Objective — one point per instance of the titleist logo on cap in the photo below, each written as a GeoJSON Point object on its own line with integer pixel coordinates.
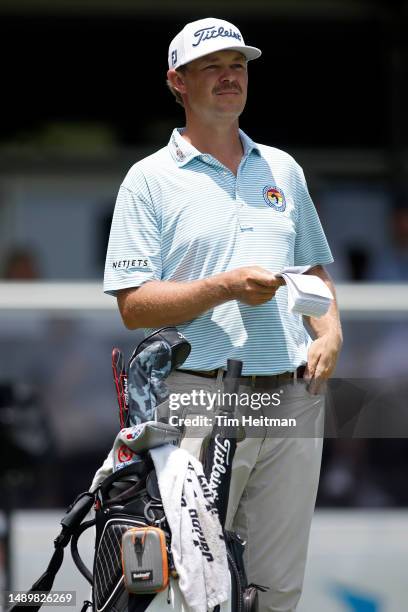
{"type": "Point", "coordinates": [213, 32]}
{"type": "Point", "coordinates": [206, 36]}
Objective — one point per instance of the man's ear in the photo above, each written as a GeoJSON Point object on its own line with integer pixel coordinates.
{"type": "Point", "coordinates": [176, 80]}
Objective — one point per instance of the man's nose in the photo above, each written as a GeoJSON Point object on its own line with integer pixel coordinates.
{"type": "Point", "coordinates": [226, 74]}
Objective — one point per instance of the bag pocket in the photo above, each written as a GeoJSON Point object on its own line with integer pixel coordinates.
{"type": "Point", "coordinates": [108, 584]}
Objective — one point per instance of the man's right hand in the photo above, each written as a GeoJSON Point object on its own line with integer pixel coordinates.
{"type": "Point", "coordinates": [252, 285]}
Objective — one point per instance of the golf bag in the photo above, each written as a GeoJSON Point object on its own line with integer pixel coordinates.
{"type": "Point", "coordinates": [133, 564]}
{"type": "Point", "coordinates": [127, 574]}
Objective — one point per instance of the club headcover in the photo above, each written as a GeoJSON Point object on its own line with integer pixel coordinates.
{"type": "Point", "coordinates": [151, 363]}
{"type": "Point", "coordinates": [132, 441]}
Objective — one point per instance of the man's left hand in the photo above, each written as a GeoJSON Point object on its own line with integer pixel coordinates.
{"type": "Point", "coordinates": [321, 361]}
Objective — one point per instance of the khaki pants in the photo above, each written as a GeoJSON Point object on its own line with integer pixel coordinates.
{"type": "Point", "coordinates": [273, 488]}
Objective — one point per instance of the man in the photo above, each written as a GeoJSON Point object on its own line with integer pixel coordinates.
{"type": "Point", "coordinates": [199, 229]}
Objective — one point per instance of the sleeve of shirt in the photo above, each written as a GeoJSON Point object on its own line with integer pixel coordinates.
{"type": "Point", "coordinates": [133, 256]}
{"type": "Point", "coordinates": [311, 246]}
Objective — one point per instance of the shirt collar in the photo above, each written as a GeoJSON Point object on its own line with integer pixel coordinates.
{"type": "Point", "coordinates": [248, 144]}
{"type": "Point", "coordinates": [182, 151]}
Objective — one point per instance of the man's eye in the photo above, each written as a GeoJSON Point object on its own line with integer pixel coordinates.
{"type": "Point", "coordinates": [210, 67]}
{"type": "Point", "coordinates": [238, 66]}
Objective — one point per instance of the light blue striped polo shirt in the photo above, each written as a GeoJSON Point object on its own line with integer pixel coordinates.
{"type": "Point", "coordinates": [182, 215]}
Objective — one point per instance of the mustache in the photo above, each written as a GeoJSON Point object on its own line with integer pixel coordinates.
{"type": "Point", "coordinates": [228, 87]}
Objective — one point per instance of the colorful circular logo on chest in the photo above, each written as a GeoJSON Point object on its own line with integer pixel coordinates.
{"type": "Point", "coordinates": [274, 198]}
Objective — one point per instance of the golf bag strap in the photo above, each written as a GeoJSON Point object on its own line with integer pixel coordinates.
{"type": "Point", "coordinates": [74, 550]}
{"type": "Point", "coordinates": [70, 522]}
{"type": "Point", "coordinates": [74, 516]}
{"type": "Point", "coordinates": [44, 582]}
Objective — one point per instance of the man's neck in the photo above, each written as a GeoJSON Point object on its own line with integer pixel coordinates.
{"type": "Point", "coordinates": [220, 141]}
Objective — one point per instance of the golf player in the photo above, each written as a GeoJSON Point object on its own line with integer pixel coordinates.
{"type": "Point", "coordinates": [199, 232]}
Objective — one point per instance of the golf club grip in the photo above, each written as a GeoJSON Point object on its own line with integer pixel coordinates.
{"type": "Point", "coordinates": [234, 370]}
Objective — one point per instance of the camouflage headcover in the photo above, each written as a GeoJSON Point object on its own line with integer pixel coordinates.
{"type": "Point", "coordinates": [151, 363]}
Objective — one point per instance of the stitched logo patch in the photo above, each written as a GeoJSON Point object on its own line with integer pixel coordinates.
{"type": "Point", "coordinates": [274, 198]}
{"type": "Point", "coordinates": [124, 453]}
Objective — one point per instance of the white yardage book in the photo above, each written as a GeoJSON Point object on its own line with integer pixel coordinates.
{"type": "Point", "coordinates": [307, 294]}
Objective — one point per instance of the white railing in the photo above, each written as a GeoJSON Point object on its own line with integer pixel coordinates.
{"type": "Point", "coordinates": [355, 300]}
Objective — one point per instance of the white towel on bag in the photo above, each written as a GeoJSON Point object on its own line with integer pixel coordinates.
{"type": "Point", "coordinates": [198, 546]}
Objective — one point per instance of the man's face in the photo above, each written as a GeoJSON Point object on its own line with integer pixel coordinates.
{"type": "Point", "coordinates": [215, 86]}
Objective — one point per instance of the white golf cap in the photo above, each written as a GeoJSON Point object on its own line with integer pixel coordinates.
{"type": "Point", "coordinates": [205, 36]}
